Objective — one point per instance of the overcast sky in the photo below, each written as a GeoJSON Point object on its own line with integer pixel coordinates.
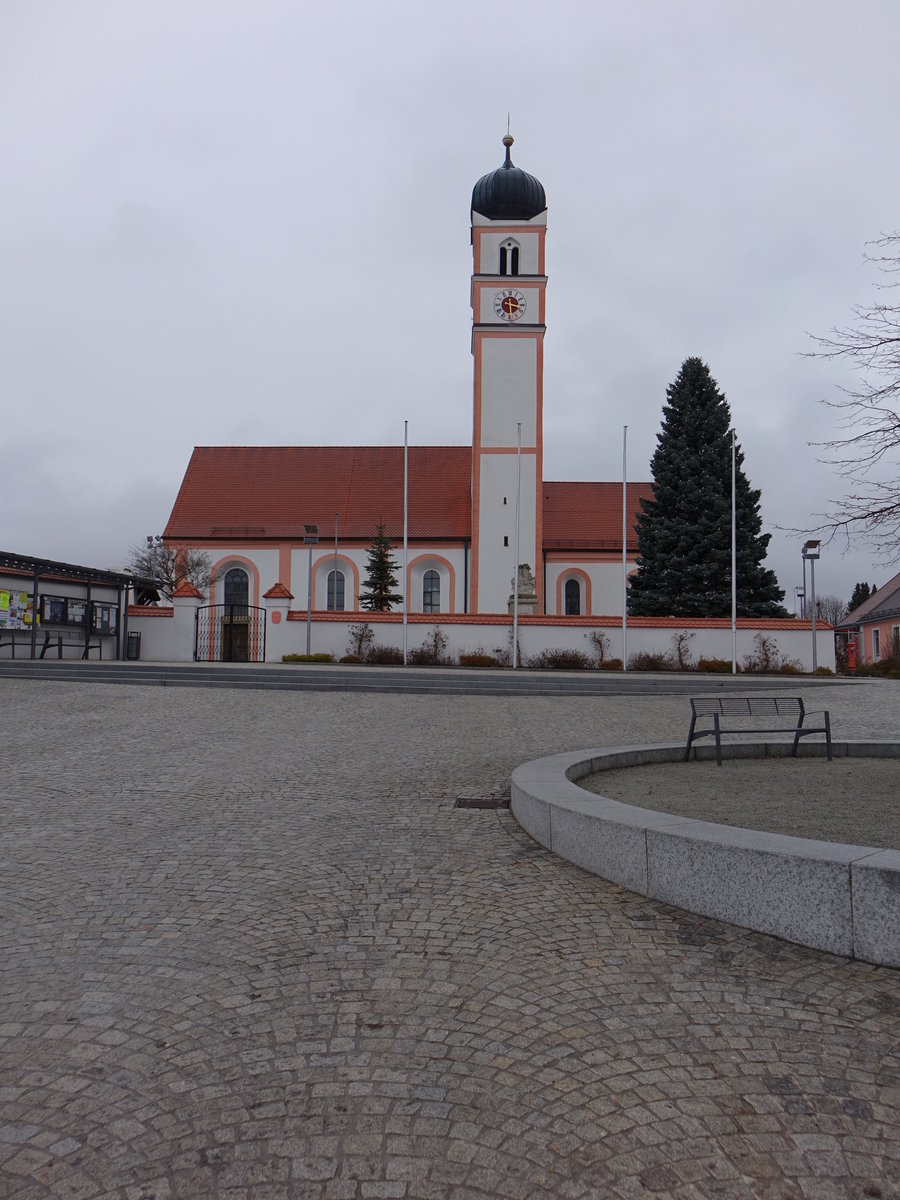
{"type": "Point", "coordinates": [228, 222]}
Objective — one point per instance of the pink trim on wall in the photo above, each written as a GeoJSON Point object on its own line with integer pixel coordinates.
{"type": "Point", "coordinates": [432, 558]}
{"type": "Point", "coordinates": [572, 573]}
{"type": "Point", "coordinates": [327, 560]}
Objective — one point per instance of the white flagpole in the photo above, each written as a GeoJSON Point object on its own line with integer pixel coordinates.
{"type": "Point", "coordinates": [405, 540]}
{"type": "Point", "coordinates": [625, 548]}
{"type": "Point", "coordinates": [733, 556]}
{"type": "Point", "coordinates": [515, 645]}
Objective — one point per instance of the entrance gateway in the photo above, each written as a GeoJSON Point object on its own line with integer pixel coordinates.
{"type": "Point", "coordinates": [230, 633]}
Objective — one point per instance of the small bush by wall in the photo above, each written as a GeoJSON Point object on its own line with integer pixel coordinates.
{"type": "Point", "coordinates": [718, 666]}
{"type": "Point", "coordinates": [479, 658]}
{"type": "Point", "coordinates": [432, 652]}
{"type": "Point", "coordinates": [308, 658]}
{"type": "Point", "coordinates": [384, 656]}
{"type": "Point", "coordinates": [560, 660]}
{"type": "Point", "coordinates": [647, 660]}
{"type": "Point", "coordinates": [767, 659]}
{"type": "Point", "coordinates": [885, 668]}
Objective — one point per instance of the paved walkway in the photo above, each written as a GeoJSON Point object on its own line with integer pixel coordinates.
{"type": "Point", "coordinates": [251, 950]}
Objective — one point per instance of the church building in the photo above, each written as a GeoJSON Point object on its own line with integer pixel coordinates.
{"type": "Point", "coordinates": [255, 510]}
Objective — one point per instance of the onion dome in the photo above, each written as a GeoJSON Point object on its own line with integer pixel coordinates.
{"type": "Point", "coordinates": [508, 193]}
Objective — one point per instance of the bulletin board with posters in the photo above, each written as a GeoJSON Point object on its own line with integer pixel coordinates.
{"type": "Point", "coordinates": [16, 610]}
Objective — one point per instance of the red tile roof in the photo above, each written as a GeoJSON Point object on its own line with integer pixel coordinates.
{"type": "Point", "coordinates": [278, 592]}
{"type": "Point", "coordinates": [258, 492]}
{"type": "Point", "coordinates": [588, 516]}
{"type": "Point", "coordinates": [250, 492]}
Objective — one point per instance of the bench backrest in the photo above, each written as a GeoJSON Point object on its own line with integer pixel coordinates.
{"type": "Point", "coordinates": [748, 706]}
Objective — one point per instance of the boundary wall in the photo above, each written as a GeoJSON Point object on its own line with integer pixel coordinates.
{"type": "Point", "coordinates": [166, 640]}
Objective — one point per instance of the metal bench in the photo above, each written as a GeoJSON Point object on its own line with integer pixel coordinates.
{"type": "Point", "coordinates": [753, 708]}
{"type": "Point", "coordinates": [69, 639]}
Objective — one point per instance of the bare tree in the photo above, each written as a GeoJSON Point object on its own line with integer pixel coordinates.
{"type": "Point", "coordinates": [170, 567]}
{"type": "Point", "coordinates": [867, 453]}
{"type": "Point", "coordinates": [831, 609]}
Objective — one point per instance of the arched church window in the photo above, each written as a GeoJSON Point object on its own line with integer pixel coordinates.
{"type": "Point", "coordinates": [335, 591]}
{"type": "Point", "coordinates": [431, 592]}
{"type": "Point", "coordinates": [573, 598]}
{"type": "Point", "coordinates": [509, 258]}
{"type": "Point", "coordinates": [237, 590]}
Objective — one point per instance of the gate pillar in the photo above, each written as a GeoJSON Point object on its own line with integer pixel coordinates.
{"type": "Point", "coordinates": [277, 601]}
{"type": "Point", "coordinates": [186, 599]}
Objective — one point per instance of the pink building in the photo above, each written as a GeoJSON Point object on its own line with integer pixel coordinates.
{"type": "Point", "coordinates": [873, 628]}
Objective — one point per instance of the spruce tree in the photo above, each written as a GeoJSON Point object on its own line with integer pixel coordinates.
{"type": "Point", "coordinates": [861, 593]}
{"type": "Point", "coordinates": [378, 594]}
{"type": "Point", "coordinates": [684, 531]}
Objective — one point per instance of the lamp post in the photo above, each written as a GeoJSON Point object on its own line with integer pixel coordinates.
{"type": "Point", "coordinates": [810, 554]}
{"type": "Point", "coordinates": [311, 536]}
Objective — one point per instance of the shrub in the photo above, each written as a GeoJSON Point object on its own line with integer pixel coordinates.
{"type": "Point", "coordinates": [600, 644]}
{"type": "Point", "coordinates": [479, 658]}
{"type": "Point", "coordinates": [767, 659]}
{"type": "Point", "coordinates": [646, 660]}
{"type": "Point", "coordinates": [361, 638]}
{"type": "Point", "coordinates": [681, 651]}
{"type": "Point", "coordinates": [384, 656]}
{"type": "Point", "coordinates": [720, 666]}
{"type": "Point", "coordinates": [349, 660]}
{"type": "Point", "coordinates": [823, 671]}
{"type": "Point", "coordinates": [432, 652]}
{"type": "Point", "coordinates": [610, 664]}
{"type": "Point", "coordinates": [885, 668]}
{"type": "Point", "coordinates": [310, 658]}
{"type": "Point", "coordinates": [561, 660]}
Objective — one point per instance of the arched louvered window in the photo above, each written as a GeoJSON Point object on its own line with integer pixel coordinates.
{"type": "Point", "coordinates": [431, 592]}
{"type": "Point", "coordinates": [573, 598]}
{"type": "Point", "coordinates": [335, 593]}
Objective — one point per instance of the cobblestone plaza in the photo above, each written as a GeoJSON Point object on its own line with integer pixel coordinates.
{"type": "Point", "coordinates": [252, 950]}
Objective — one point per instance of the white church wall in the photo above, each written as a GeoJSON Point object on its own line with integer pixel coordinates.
{"type": "Point", "coordinates": [157, 629]}
{"type": "Point", "coordinates": [600, 584]}
{"type": "Point", "coordinates": [509, 377]}
{"type": "Point", "coordinates": [498, 521]}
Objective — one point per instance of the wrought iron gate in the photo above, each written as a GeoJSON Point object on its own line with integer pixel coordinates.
{"type": "Point", "coordinates": [230, 633]}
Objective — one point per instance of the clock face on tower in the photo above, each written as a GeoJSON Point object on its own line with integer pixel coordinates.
{"type": "Point", "coordinates": [509, 305]}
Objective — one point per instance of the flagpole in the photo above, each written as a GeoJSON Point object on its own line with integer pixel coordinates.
{"type": "Point", "coordinates": [405, 540]}
{"type": "Point", "coordinates": [733, 555]}
{"type": "Point", "coordinates": [515, 645]}
{"type": "Point", "coordinates": [625, 548]}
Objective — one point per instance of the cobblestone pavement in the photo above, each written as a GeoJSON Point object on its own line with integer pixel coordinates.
{"type": "Point", "coordinates": [250, 950]}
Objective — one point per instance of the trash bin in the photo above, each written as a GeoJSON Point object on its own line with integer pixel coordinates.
{"type": "Point", "coordinates": [133, 645]}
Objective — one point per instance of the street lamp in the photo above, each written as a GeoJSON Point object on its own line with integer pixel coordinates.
{"type": "Point", "coordinates": [310, 536]}
{"type": "Point", "coordinates": [810, 554]}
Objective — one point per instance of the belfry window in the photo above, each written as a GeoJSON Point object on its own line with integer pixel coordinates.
{"type": "Point", "coordinates": [431, 592]}
{"type": "Point", "coordinates": [509, 259]}
{"type": "Point", "coordinates": [335, 600]}
{"type": "Point", "coordinates": [573, 598]}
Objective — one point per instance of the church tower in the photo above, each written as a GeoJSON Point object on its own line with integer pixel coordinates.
{"type": "Point", "coordinates": [509, 226]}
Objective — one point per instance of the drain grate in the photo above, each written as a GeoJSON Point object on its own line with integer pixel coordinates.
{"type": "Point", "coordinates": [478, 798]}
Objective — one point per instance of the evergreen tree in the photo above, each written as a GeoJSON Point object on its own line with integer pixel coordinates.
{"type": "Point", "coordinates": [378, 594]}
{"type": "Point", "coordinates": [861, 593]}
{"type": "Point", "coordinates": [684, 531]}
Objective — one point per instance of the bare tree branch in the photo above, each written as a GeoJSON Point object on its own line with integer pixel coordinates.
{"type": "Point", "coordinates": [869, 415]}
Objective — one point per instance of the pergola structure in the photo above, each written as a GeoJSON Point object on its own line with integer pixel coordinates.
{"type": "Point", "coordinates": [47, 570]}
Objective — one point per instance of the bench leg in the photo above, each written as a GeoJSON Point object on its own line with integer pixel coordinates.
{"type": "Point", "coordinates": [797, 734]}
{"type": "Point", "coordinates": [827, 734]}
{"type": "Point", "coordinates": [687, 749]}
{"type": "Point", "coordinates": [718, 740]}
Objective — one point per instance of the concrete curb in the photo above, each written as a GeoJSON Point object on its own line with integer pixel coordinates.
{"type": "Point", "coordinates": [838, 898]}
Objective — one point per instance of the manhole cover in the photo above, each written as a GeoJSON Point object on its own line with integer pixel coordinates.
{"type": "Point", "coordinates": [478, 798]}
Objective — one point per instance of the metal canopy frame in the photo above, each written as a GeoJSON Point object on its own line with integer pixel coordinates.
{"type": "Point", "coordinates": [50, 570]}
